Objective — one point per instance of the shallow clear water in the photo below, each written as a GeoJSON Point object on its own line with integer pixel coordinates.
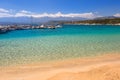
{"type": "Point", "coordinates": [70, 41]}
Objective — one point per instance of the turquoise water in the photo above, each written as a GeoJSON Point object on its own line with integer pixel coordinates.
{"type": "Point", "coordinates": [70, 41]}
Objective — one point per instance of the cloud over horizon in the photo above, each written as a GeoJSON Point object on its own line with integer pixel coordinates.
{"type": "Point", "coordinates": [117, 15]}
{"type": "Point", "coordinates": [3, 10]}
{"type": "Point", "coordinates": [25, 13]}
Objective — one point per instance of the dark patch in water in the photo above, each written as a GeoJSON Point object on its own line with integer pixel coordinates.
{"type": "Point", "coordinates": [2, 45]}
{"type": "Point", "coordinates": [11, 45]}
{"type": "Point", "coordinates": [15, 45]}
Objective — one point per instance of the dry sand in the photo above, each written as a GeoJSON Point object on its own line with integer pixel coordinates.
{"type": "Point", "coordinates": [105, 67]}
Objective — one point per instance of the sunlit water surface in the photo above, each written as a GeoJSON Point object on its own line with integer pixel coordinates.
{"type": "Point", "coordinates": [70, 41]}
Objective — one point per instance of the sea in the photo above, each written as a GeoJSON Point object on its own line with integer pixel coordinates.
{"type": "Point", "coordinates": [68, 42]}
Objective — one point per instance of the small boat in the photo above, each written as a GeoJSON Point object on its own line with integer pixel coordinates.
{"type": "Point", "coordinates": [42, 26]}
{"type": "Point", "coordinates": [58, 26]}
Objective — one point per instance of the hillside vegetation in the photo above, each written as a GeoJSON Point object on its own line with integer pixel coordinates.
{"type": "Point", "coordinates": [95, 21]}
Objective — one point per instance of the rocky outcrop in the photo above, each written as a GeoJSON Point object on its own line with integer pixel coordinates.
{"type": "Point", "coordinates": [5, 29]}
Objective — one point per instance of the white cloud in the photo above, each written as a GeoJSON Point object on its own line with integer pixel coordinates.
{"type": "Point", "coordinates": [117, 15]}
{"type": "Point", "coordinates": [72, 15]}
{"type": "Point", "coordinates": [5, 13]}
{"type": "Point", "coordinates": [24, 13]}
{"type": "Point", "coordinates": [2, 15]}
{"type": "Point", "coordinates": [21, 15]}
{"type": "Point", "coordinates": [3, 10]}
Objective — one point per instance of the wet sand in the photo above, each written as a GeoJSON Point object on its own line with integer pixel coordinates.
{"type": "Point", "coordinates": [105, 67]}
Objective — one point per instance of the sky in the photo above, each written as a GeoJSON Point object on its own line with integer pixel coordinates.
{"type": "Point", "coordinates": [59, 8]}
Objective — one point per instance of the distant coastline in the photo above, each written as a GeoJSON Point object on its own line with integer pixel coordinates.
{"type": "Point", "coordinates": [94, 24]}
{"type": "Point", "coordinates": [99, 21]}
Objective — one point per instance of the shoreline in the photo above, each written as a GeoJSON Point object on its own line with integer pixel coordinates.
{"type": "Point", "coordinates": [95, 24]}
{"type": "Point", "coordinates": [60, 70]}
{"type": "Point", "coordinates": [4, 30]}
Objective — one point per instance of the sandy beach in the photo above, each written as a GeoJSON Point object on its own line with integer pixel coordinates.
{"type": "Point", "coordinates": [105, 67]}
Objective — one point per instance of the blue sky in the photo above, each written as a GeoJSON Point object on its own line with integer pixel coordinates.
{"type": "Point", "coordinates": [99, 7]}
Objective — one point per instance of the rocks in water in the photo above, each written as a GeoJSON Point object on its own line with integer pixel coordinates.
{"type": "Point", "coordinates": [5, 29]}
